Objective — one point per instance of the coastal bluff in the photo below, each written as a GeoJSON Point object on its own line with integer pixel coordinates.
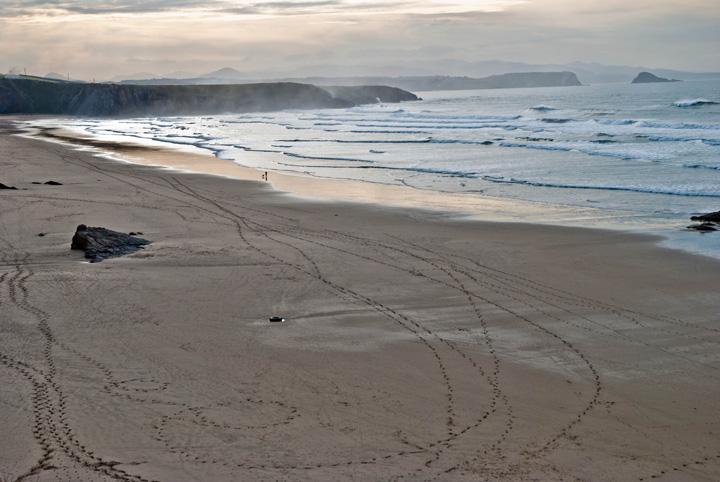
{"type": "Point", "coordinates": [34, 95]}
{"type": "Point", "coordinates": [513, 80]}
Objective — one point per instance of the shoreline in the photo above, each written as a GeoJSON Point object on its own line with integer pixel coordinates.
{"type": "Point", "coordinates": [415, 346]}
{"type": "Point", "coordinates": [478, 207]}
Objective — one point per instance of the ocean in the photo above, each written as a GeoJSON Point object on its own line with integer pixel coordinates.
{"type": "Point", "coordinates": [645, 156]}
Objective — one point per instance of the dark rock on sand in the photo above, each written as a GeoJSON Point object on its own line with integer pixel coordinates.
{"type": "Point", "coordinates": [703, 227]}
{"type": "Point", "coordinates": [5, 186]}
{"type": "Point", "coordinates": [709, 217]}
{"type": "Point", "coordinates": [53, 183]}
{"type": "Point", "coordinates": [102, 243]}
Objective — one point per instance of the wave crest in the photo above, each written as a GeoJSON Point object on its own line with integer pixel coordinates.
{"type": "Point", "coordinates": [694, 102]}
{"type": "Point", "coordinates": [639, 189]}
{"type": "Point", "coordinates": [542, 108]}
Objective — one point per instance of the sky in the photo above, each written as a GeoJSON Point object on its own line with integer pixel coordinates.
{"type": "Point", "coordinates": [103, 39]}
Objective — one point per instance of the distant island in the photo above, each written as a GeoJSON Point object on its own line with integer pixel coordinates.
{"type": "Point", "coordinates": [38, 95]}
{"type": "Point", "coordinates": [648, 78]}
{"type": "Point", "coordinates": [412, 83]}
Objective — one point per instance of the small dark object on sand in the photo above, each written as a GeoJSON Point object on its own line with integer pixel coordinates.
{"type": "Point", "coordinates": [709, 217]}
{"type": "Point", "coordinates": [133, 233]}
{"type": "Point", "coordinates": [36, 182]}
{"type": "Point", "coordinates": [703, 227]}
{"type": "Point", "coordinates": [5, 186]}
{"type": "Point", "coordinates": [276, 319]}
{"type": "Point", "coordinates": [53, 183]}
{"type": "Point", "coordinates": [42, 235]}
{"type": "Point", "coordinates": [101, 243]}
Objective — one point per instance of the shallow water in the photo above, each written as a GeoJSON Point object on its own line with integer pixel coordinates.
{"type": "Point", "coordinates": [650, 151]}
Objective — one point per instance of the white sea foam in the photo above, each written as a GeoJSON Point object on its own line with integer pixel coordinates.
{"type": "Point", "coordinates": [542, 108]}
{"type": "Point", "coordinates": [624, 151]}
{"type": "Point", "coordinates": [702, 191]}
{"type": "Point", "coordinates": [693, 102]}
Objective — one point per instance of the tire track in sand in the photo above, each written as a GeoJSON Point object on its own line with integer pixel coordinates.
{"type": "Point", "coordinates": [52, 429]}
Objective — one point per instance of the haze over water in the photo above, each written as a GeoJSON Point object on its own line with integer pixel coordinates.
{"type": "Point", "coordinates": [651, 151]}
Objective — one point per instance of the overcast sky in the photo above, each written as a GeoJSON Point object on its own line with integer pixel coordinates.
{"type": "Point", "coordinates": [104, 38]}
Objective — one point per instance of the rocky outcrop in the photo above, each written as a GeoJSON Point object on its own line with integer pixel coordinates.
{"type": "Point", "coordinates": [5, 186]}
{"type": "Point", "coordinates": [21, 95]}
{"type": "Point", "coordinates": [101, 243]}
{"type": "Point", "coordinates": [706, 222]}
{"type": "Point", "coordinates": [370, 94]}
{"type": "Point", "coordinates": [704, 227]}
{"type": "Point", "coordinates": [709, 217]}
{"type": "Point", "coordinates": [648, 78]}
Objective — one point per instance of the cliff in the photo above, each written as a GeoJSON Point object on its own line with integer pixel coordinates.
{"type": "Point", "coordinates": [22, 95]}
{"type": "Point", "coordinates": [369, 94]}
{"type": "Point", "coordinates": [530, 79]}
{"type": "Point", "coordinates": [648, 78]}
{"type": "Point", "coordinates": [411, 83]}
{"type": "Point", "coordinates": [429, 83]}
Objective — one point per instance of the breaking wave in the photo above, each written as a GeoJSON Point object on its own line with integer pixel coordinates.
{"type": "Point", "coordinates": [604, 187]}
{"type": "Point", "coordinates": [693, 102]}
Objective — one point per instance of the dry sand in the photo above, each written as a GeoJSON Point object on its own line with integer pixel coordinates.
{"type": "Point", "coordinates": [415, 347]}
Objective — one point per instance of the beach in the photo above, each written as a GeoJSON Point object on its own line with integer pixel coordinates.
{"type": "Point", "coordinates": [607, 156]}
{"type": "Point", "coordinates": [415, 346]}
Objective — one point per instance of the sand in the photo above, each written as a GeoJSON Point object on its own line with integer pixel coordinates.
{"type": "Point", "coordinates": [469, 204]}
{"type": "Point", "coordinates": [415, 347]}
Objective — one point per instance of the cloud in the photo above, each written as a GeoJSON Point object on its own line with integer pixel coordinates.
{"type": "Point", "coordinates": [29, 8]}
{"type": "Point", "coordinates": [25, 8]}
{"type": "Point", "coordinates": [286, 8]}
{"type": "Point", "coordinates": [103, 38]}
